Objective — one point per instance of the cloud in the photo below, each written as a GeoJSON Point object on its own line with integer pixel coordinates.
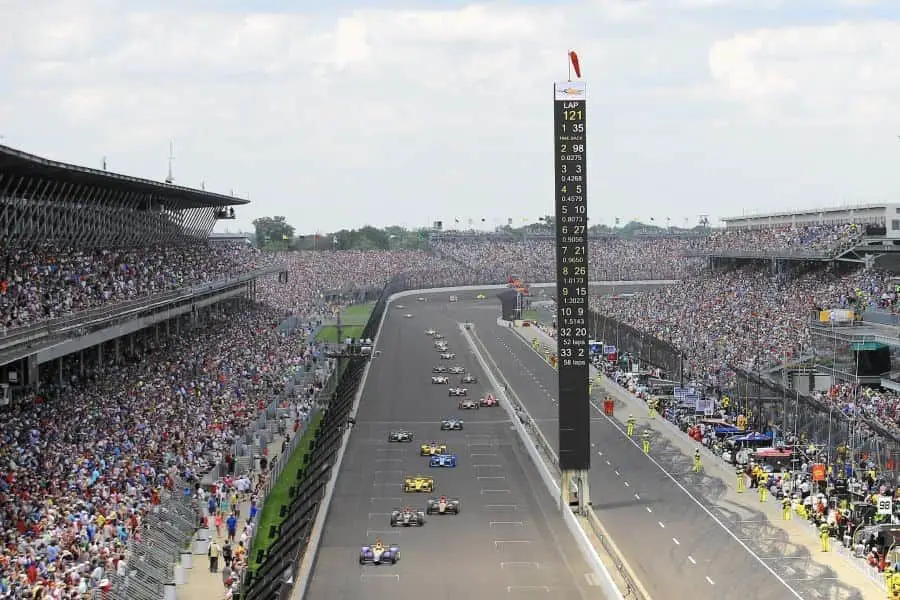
{"type": "Point", "coordinates": [341, 117]}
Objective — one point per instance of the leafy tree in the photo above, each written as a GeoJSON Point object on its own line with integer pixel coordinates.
{"type": "Point", "coordinates": [273, 232]}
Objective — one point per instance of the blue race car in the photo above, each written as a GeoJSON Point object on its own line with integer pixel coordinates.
{"type": "Point", "coordinates": [379, 554]}
{"type": "Point", "coordinates": [442, 460]}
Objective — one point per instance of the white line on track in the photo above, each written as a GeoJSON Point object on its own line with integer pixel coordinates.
{"type": "Point", "coordinates": [691, 558]}
{"type": "Point", "coordinates": [711, 582]}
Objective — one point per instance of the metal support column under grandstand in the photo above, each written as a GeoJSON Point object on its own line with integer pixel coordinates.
{"type": "Point", "coordinates": [44, 201]}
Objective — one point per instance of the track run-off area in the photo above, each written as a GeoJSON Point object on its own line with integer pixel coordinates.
{"type": "Point", "coordinates": [676, 530]}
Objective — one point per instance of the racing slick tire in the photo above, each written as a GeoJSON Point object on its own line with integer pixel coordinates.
{"type": "Point", "coordinates": [362, 561]}
{"type": "Point", "coordinates": [393, 522]}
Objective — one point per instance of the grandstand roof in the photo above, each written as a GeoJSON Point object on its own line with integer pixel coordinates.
{"type": "Point", "coordinates": [859, 213]}
{"type": "Point", "coordinates": [18, 163]}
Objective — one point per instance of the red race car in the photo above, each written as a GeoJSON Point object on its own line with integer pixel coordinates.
{"type": "Point", "coordinates": [488, 400]}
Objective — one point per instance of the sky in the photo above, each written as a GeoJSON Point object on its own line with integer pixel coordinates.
{"type": "Point", "coordinates": [353, 112]}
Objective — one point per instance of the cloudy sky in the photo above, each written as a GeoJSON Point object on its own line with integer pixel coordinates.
{"type": "Point", "coordinates": [352, 112]}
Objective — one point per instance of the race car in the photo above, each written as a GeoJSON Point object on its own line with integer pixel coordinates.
{"type": "Point", "coordinates": [432, 448]}
{"type": "Point", "coordinates": [399, 306]}
{"type": "Point", "coordinates": [440, 379]}
{"type": "Point", "coordinates": [420, 299]}
{"type": "Point", "coordinates": [418, 483]}
{"type": "Point", "coordinates": [489, 400]}
{"type": "Point", "coordinates": [468, 404]}
{"type": "Point", "coordinates": [457, 370]}
{"type": "Point", "coordinates": [379, 554]}
{"type": "Point", "coordinates": [401, 436]}
{"type": "Point", "coordinates": [438, 335]}
{"type": "Point", "coordinates": [407, 517]}
{"type": "Point", "coordinates": [407, 316]}
{"type": "Point", "coordinates": [453, 298]}
{"type": "Point", "coordinates": [448, 355]}
{"type": "Point", "coordinates": [480, 297]}
{"type": "Point", "coordinates": [459, 392]}
{"type": "Point", "coordinates": [452, 424]}
{"type": "Point", "coordinates": [440, 345]}
{"type": "Point", "coordinates": [430, 332]}
{"type": "Point", "coordinates": [469, 378]}
{"type": "Point", "coordinates": [442, 460]}
{"type": "Point", "coordinates": [439, 370]}
{"type": "Point", "coordinates": [442, 506]}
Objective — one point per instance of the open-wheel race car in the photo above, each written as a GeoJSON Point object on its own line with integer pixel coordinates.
{"type": "Point", "coordinates": [432, 448]}
{"type": "Point", "coordinates": [401, 436]}
{"type": "Point", "coordinates": [440, 380]}
{"type": "Point", "coordinates": [379, 554]}
{"type": "Point", "coordinates": [452, 424]}
{"type": "Point", "coordinates": [438, 369]}
{"type": "Point", "coordinates": [489, 400]}
{"type": "Point", "coordinates": [442, 506]}
{"type": "Point", "coordinates": [459, 391]}
{"type": "Point", "coordinates": [442, 460]}
{"type": "Point", "coordinates": [457, 370]}
{"type": "Point", "coordinates": [447, 355]}
{"type": "Point", "coordinates": [468, 404]}
{"type": "Point", "coordinates": [469, 378]}
{"type": "Point", "coordinates": [418, 483]}
{"type": "Point", "coordinates": [407, 517]}
{"type": "Point", "coordinates": [430, 331]}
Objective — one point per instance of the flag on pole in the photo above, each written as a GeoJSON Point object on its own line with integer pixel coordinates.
{"type": "Point", "coordinates": [573, 57]}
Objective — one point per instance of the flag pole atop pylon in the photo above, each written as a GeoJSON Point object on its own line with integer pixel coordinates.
{"type": "Point", "coordinates": [574, 64]}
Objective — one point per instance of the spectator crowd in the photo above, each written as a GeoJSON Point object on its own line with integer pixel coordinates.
{"type": "Point", "coordinates": [45, 283]}
{"type": "Point", "coordinates": [825, 238]}
{"type": "Point", "coordinates": [534, 259]}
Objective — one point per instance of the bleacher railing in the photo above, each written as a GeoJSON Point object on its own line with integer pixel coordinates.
{"type": "Point", "coordinates": [52, 327]}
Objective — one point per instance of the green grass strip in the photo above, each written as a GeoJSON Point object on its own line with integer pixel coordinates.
{"type": "Point", "coordinates": [329, 333]}
{"type": "Point", "coordinates": [280, 494]}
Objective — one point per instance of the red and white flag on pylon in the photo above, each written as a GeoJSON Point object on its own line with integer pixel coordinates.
{"type": "Point", "coordinates": [573, 58]}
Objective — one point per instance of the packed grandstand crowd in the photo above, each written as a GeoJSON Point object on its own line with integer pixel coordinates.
{"type": "Point", "coordinates": [74, 489]}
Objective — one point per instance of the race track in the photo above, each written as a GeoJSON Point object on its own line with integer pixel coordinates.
{"type": "Point", "coordinates": [509, 540]}
{"type": "Point", "coordinates": [681, 540]}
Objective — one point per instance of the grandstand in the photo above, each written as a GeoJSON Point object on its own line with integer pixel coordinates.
{"type": "Point", "coordinates": [108, 288]}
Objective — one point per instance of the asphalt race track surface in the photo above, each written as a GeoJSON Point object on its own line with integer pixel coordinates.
{"type": "Point", "coordinates": [675, 547]}
{"type": "Point", "coordinates": [509, 540]}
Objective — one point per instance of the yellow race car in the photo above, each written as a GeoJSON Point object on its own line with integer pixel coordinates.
{"type": "Point", "coordinates": [418, 483]}
{"type": "Point", "coordinates": [480, 297]}
{"type": "Point", "coordinates": [432, 448]}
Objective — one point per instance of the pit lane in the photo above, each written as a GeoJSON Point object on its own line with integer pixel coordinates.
{"type": "Point", "coordinates": [677, 548]}
{"type": "Point", "coordinates": [508, 541]}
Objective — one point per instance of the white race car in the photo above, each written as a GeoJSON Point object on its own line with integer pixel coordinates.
{"type": "Point", "coordinates": [407, 316]}
{"type": "Point", "coordinates": [440, 379]}
{"type": "Point", "coordinates": [457, 370]}
{"type": "Point", "coordinates": [469, 378]}
{"type": "Point", "coordinates": [468, 404]}
{"type": "Point", "coordinates": [420, 299]}
{"type": "Point", "coordinates": [438, 335]}
{"type": "Point", "coordinates": [430, 332]}
{"type": "Point", "coordinates": [448, 355]}
{"type": "Point", "coordinates": [453, 298]}
{"type": "Point", "coordinates": [440, 344]}
{"type": "Point", "coordinates": [399, 307]}
{"type": "Point", "coordinates": [459, 391]}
